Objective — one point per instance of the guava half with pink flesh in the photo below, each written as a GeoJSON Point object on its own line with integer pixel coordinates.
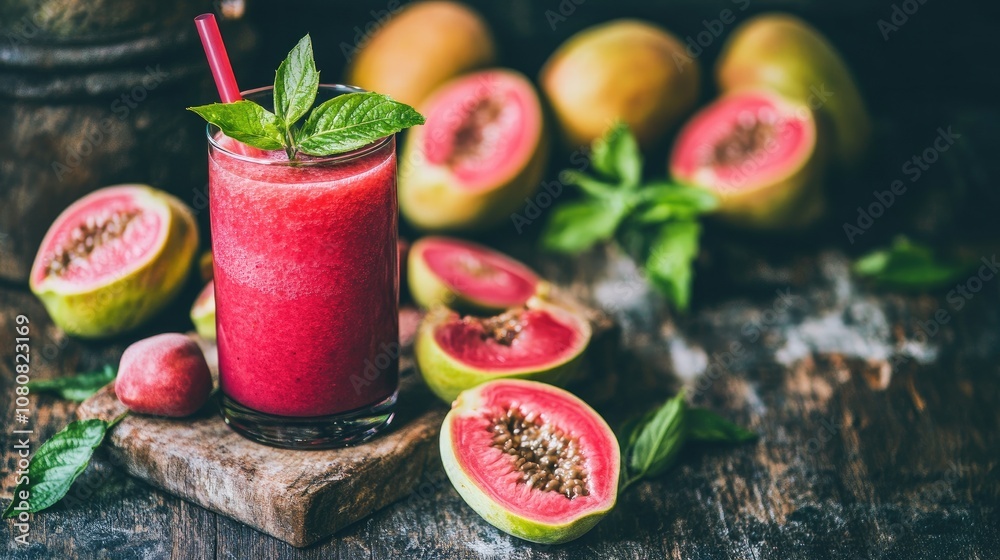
{"type": "Point", "coordinates": [114, 258]}
{"type": "Point", "coordinates": [481, 152]}
{"type": "Point", "coordinates": [532, 459]}
{"type": "Point", "coordinates": [203, 312]}
{"type": "Point", "coordinates": [757, 151]}
{"type": "Point", "coordinates": [539, 341]}
{"type": "Point", "coordinates": [467, 276]}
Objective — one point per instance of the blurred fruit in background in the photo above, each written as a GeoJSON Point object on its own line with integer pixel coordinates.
{"type": "Point", "coordinates": [482, 151]}
{"type": "Point", "coordinates": [113, 259]}
{"type": "Point", "coordinates": [625, 70]}
{"type": "Point", "coordinates": [420, 48]}
{"type": "Point", "coordinates": [783, 53]}
{"type": "Point", "coordinates": [203, 312]}
{"type": "Point", "coordinates": [757, 151]}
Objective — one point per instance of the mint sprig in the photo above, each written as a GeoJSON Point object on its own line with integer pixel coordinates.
{"type": "Point", "coordinates": [344, 123]}
{"type": "Point", "coordinates": [911, 266]}
{"type": "Point", "coordinates": [77, 387]}
{"type": "Point", "coordinates": [654, 440]}
{"type": "Point", "coordinates": [656, 221]}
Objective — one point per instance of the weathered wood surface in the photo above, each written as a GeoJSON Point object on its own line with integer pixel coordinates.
{"type": "Point", "coordinates": [296, 496]}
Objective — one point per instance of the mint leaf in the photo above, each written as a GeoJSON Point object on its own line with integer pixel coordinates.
{"type": "Point", "coordinates": [57, 463]}
{"type": "Point", "coordinates": [658, 441]}
{"type": "Point", "coordinates": [596, 188]}
{"type": "Point", "coordinates": [245, 121]}
{"type": "Point", "coordinates": [668, 265]}
{"type": "Point", "coordinates": [577, 226]}
{"type": "Point", "coordinates": [908, 265]}
{"type": "Point", "coordinates": [616, 155]}
{"type": "Point", "coordinates": [351, 121]}
{"type": "Point", "coordinates": [295, 84]}
{"type": "Point", "coordinates": [667, 201]}
{"type": "Point", "coordinates": [705, 425]}
{"type": "Point", "coordinates": [654, 440]}
{"type": "Point", "coordinates": [77, 387]}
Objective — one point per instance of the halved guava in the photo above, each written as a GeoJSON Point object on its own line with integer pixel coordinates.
{"type": "Point", "coordinates": [466, 276]}
{"type": "Point", "coordinates": [532, 459]}
{"type": "Point", "coordinates": [757, 152]}
{"type": "Point", "coordinates": [481, 152]}
{"type": "Point", "coordinates": [203, 312]}
{"type": "Point", "coordinates": [538, 340]}
{"type": "Point", "coordinates": [113, 259]}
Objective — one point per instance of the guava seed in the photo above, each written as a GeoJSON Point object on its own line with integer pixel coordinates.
{"type": "Point", "coordinates": [86, 237]}
{"type": "Point", "coordinates": [503, 328]}
{"type": "Point", "coordinates": [476, 139]}
{"type": "Point", "coordinates": [749, 135]}
{"type": "Point", "coordinates": [546, 457]}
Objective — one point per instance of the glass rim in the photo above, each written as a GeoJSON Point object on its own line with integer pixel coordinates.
{"type": "Point", "coordinates": [211, 130]}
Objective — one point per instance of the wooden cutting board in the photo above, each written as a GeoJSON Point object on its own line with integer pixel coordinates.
{"type": "Point", "coordinates": [296, 496]}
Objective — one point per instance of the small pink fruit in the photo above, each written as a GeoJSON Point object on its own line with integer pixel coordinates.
{"type": "Point", "coordinates": [165, 375]}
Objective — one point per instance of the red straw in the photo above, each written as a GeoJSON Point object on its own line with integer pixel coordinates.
{"type": "Point", "coordinates": [218, 60]}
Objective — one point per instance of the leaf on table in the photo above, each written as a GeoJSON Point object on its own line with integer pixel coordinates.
{"type": "Point", "coordinates": [77, 387]}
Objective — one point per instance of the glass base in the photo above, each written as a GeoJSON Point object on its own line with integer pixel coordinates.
{"type": "Point", "coordinates": [313, 432]}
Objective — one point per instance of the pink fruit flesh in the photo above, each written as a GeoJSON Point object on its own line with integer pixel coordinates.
{"type": "Point", "coordinates": [478, 273]}
{"type": "Point", "coordinates": [494, 471]}
{"type": "Point", "coordinates": [502, 344]}
{"type": "Point", "coordinates": [132, 235]}
{"type": "Point", "coordinates": [742, 136]}
{"type": "Point", "coordinates": [165, 375]}
{"type": "Point", "coordinates": [484, 136]}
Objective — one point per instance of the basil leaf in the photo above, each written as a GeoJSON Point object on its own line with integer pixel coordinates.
{"type": "Point", "coordinates": [577, 226]}
{"type": "Point", "coordinates": [245, 121]}
{"type": "Point", "coordinates": [77, 387]}
{"type": "Point", "coordinates": [57, 463]}
{"type": "Point", "coordinates": [616, 155]}
{"type": "Point", "coordinates": [705, 425]}
{"type": "Point", "coordinates": [295, 84]}
{"type": "Point", "coordinates": [658, 441]}
{"type": "Point", "coordinates": [669, 264]}
{"type": "Point", "coordinates": [908, 265]}
{"type": "Point", "coordinates": [351, 121]}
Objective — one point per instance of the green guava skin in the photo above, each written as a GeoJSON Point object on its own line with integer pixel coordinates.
{"type": "Point", "coordinates": [501, 518]}
{"type": "Point", "coordinates": [126, 302]}
{"type": "Point", "coordinates": [447, 377]}
{"type": "Point", "coordinates": [203, 313]}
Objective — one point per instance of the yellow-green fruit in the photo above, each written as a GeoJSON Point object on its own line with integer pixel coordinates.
{"type": "Point", "coordinates": [783, 53]}
{"type": "Point", "coordinates": [623, 70]}
{"type": "Point", "coordinates": [114, 258]}
{"type": "Point", "coordinates": [203, 312]}
{"type": "Point", "coordinates": [420, 48]}
{"type": "Point", "coordinates": [480, 154]}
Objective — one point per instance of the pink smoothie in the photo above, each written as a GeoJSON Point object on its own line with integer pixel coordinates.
{"type": "Point", "coordinates": [306, 281]}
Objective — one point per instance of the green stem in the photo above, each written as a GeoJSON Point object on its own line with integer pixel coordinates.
{"type": "Point", "coordinates": [118, 419]}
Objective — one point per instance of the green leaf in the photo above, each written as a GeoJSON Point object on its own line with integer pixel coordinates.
{"type": "Point", "coordinates": [593, 187]}
{"type": "Point", "coordinates": [577, 226]}
{"type": "Point", "coordinates": [245, 121]}
{"type": "Point", "coordinates": [908, 265]}
{"type": "Point", "coordinates": [657, 442]}
{"type": "Point", "coordinates": [58, 462]}
{"type": "Point", "coordinates": [295, 84]}
{"type": "Point", "coordinates": [351, 121]}
{"type": "Point", "coordinates": [705, 425]}
{"type": "Point", "coordinates": [77, 387]}
{"type": "Point", "coordinates": [616, 155]}
{"type": "Point", "coordinates": [670, 260]}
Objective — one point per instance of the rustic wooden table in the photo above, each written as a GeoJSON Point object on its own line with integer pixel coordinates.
{"type": "Point", "coordinates": [877, 414]}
